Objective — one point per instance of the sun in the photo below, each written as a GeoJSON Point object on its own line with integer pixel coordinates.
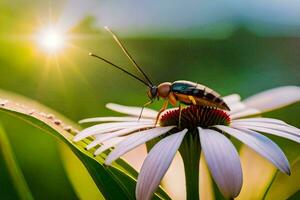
{"type": "Point", "coordinates": [51, 40]}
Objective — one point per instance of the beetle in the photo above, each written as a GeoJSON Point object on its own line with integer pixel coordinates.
{"type": "Point", "coordinates": [182, 92]}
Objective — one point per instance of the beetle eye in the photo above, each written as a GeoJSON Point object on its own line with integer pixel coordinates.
{"type": "Point", "coordinates": [149, 94]}
{"type": "Point", "coordinates": [153, 92]}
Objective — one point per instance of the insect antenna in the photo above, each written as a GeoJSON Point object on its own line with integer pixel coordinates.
{"type": "Point", "coordinates": [120, 68]}
{"type": "Point", "coordinates": [128, 55]}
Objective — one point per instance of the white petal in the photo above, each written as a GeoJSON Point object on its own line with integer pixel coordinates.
{"type": "Point", "coordinates": [280, 133]}
{"type": "Point", "coordinates": [280, 127]}
{"type": "Point", "coordinates": [262, 145]}
{"type": "Point", "coordinates": [232, 99]}
{"type": "Point", "coordinates": [106, 127]}
{"type": "Point", "coordinates": [245, 113]}
{"type": "Point", "coordinates": [261, 119]}
{"type": "Point", "coordinates": [135, 140]}
{"type": "Point", "coordinates": [112, 142]}
{"type": "Point", "coordinates": [234, 103]}
{"type": "Point", "coordinates": [223, 162]}
{"type": "Point", "coordinates": [116, 119]}
{"type": "Point", "coordinates": [92, 144]}
{"type": "Point", "coordinates": [274, 98]}
{"type": "Point", "coordinates": [130, 110]}
{"type": "Point", "coordinates": [156, 164]}
{"type": "Point", "coordinates": [103, 137]}
{"type": "Point", "coordinates": [107, 136]}
{"type": "Point", "coordinates": [237, 107]}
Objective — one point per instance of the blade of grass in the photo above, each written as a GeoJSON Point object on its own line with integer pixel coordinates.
{"type": "Point", "coordinates": [16, 174]}
{"type": "Point", "coordinates": [105, 180]}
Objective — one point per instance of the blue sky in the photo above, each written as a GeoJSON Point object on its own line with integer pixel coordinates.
{"type": "Point", "coordinates": [189, 18]}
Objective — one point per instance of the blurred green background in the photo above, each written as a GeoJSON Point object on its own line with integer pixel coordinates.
{"type": "Point", "coordinates": [241, 60]}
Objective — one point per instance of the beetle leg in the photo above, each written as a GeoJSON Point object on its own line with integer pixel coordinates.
{"type": "Point", "coordinates": [164, 107]}
{"type": "Point", "coordinates": [172, 99]}
{"type": "Point", "coordinates": [145, 105]}
{"type": "Point", "coordinates": [192, 99]}
{"type": "Point", "coordinates": [179, 120]}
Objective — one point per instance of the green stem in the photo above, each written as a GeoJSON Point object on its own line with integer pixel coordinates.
{"type": "Point", "coordinates": [190, 152]}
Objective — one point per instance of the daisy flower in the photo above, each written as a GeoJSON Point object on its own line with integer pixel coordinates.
{"type": "Point", "coordinates": [202, 128]}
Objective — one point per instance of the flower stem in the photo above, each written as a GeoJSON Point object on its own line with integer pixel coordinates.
{"type": "Point", "coordinates": [190, 152]}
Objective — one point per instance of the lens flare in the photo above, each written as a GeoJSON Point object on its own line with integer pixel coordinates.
{"type": "Point", "coordinates": [51, 40]}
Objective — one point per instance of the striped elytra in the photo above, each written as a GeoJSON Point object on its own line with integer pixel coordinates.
{"type": "Point", "coordinates": [201, 94]}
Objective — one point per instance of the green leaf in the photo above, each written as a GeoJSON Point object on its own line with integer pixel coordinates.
{"type": "Point", "coordinates": [82, 182]}
{"type": "Point", "coordinates": [295, 196]}
{"type": "Point", "coordinates": [115, 182]}
{"type": "Point", "coordinates": [15, 172]}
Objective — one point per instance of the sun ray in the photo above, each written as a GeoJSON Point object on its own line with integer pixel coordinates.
{"type": "Point", "coordinates": [51, 40]}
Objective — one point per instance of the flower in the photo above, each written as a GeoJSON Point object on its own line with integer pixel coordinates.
{"type": "Point", "coordinates": [209, 127]}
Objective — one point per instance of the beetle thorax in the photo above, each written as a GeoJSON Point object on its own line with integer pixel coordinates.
{"type": "Point", "coordinates": [164, 89]}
